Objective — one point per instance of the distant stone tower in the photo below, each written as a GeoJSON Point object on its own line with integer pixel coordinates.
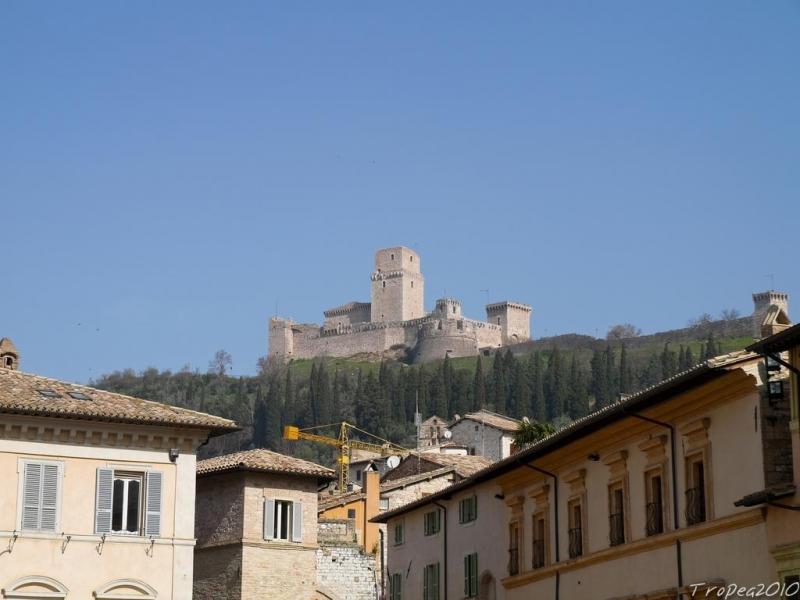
{"type": "Point", "coordinates": [9, 355]}
{"type": "Point", "coordinates": [762, 302]}
{"type": "Point", "coordinates": [448, 308]}
{"type": "Point", "coordinates": [513, 317]}
{"type": "Point", "coordinates": [398, 288]}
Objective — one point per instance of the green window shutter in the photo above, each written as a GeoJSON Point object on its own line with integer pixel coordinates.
{"type": "Point", "coordinates": [425, 583]}
{"type": "Point", "coordinates": [466, 575]}
{"type": "Point", "coordinates": [474, 579]}
{"type": "Point", "coordinates": [436, 582]}
{"type": "Point", "coordinates": [474, 507]}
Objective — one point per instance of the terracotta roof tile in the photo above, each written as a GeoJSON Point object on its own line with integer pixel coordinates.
{"type": "Point", "coordinates": [263, 460]}
{"type": "Point", "coordinates": [493, 420]}
{"type": "Point", "coordinates": [21, 393]}
{"type": "Point", "coordinates": [465, 465]}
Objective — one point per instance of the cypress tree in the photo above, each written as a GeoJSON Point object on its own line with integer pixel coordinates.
{"type": "Point", "coordinates": [498, 384]}
{"type": "Point", "coordinates": [578, 394]}
{"type": "Point", "coordinates": [478, 386]}
{"type": "Point", "coordinates": [537, 395]}
{"type": "Point", "coordinates": [522, 391]}
{"type": "Point", "coordinates": [599, 380]}
{"type": "Point", "coordinates": [689, 358]}
{"type": "Point", "coordinates": [625, 372]}
{"type": "Point", "coordinates": [260, 420]}
{"type": "Point", "coordinates": [611, 379]}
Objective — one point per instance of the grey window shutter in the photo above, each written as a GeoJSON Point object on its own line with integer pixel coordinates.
{"type": "Point", "coordinates": [31, 495]}
{"type": "Point", "coordinates": [103, 500]}
{"type": "Point", "coordinates": [50, 489]}
{"type": "Point", "coordinates": [269, 519]}
{"type": "Point", "coordinates": [297, 521]}
{"type": "Point", "coordinates": [152, 517]}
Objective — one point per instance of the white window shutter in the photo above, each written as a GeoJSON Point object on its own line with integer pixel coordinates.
{"type": "Point", "coordinates": [50, 489]}
{"type": "Point", "coordinates": [152, 517]}
{"type": "Point", "coordinates": [297, 521]}
{"type": "Point", "coordinates": [31, 495]}
{"type": "Point", "coordinates": [269, 519]}
{"type": "Point", "coordinates": [103, 500]}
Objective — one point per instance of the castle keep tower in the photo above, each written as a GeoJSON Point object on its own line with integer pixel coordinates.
{"type": "Point", "coordinates": [762, 302]}
{"type": "Point", "coordinates": [513, 317]}
{"type": "Point", "coordinates": [397, 286]}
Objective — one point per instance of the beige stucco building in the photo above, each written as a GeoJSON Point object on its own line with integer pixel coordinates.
{"type": "Point", "coordinates": [640, 500]}
{"type": "Point", "coordinates": [257, 527]}
{"type": "Point", "coordinates": [97, 494]}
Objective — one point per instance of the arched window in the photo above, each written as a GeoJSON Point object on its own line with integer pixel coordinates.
{"type": "Point", "coordinates": [384, 284]}
{"type": "Point", "coordinates": [127, 589]}
{"type": "Point", "coordinates": [35, 587]}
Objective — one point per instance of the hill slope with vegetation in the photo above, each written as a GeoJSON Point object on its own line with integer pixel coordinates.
{"type": "Point", "coordinates": [549, 385]}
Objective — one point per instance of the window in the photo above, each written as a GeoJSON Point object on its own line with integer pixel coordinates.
{"type": "Point", "coordinates": [128, 502]}
{"type": "Point", "coordinates": [616, 517]}
{"type": "Point", "coordinates": [399, 533]}
{"type": "Point", "coordinates": [126, 505]}
{"type": "Point", "coordinates": [468, 509]}
{"type": "Point", "coordinates": [432, 522]}
{"type": "Point", "coordinates": [471, 575]}
{"type": "Point", "coordinates": [513, 549]}
{"type": "Point", "coordinates": [392, 256]}
{"type": "Point", "coordinates": [283, 520]}
{"type": "Point", "coordinates": [358, 475]}
{"type": "Point", "coordinates": [412, 284]}
{"type": "Point", "coordinates": [655, 506]}
{"type": "Point", "coordinates": [498, 320]}
{"type": "Point", "coordinates": [695, 491]}
{"type": "Point", "coordinates": [351, 513]}
{"type": "Point", "coordinates": [384, 504]}
{"type": "Point", "coordinates": [49, 393]}
{"type": "Point", "coordinates": [10, 361]}
{"type": "Point", "coordinates": [41, 491]}
{"type": "Point", "coordinates": [384, 285]}
{"type": "Point", "coordinates": [396, 586]}
{"type": "Point", "coordinates": [430, 582]}
{"type": "Point", "coordinates": [539, 559]}
{"type": "Point", "coordinates": [78, 395]}
{"type": "Point", "coordinates": [575, 529]}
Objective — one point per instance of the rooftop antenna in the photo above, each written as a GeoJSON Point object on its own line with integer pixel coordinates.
{"type": "Point", "coordinates": [487, 295]}
{"type": "Point", "coordinates": [772, 280]}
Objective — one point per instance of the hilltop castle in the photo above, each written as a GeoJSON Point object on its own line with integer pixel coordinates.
{"type": "Point", "coordinates": [395, 321]}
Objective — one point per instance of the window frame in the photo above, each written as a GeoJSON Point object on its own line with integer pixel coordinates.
{"type": "Point", "coordinates": [616, 492]}
{"type": "Point", "coordinates": [277, 520]}
{"type": "Point", "coordinates": [431, 581]}
{"type": "Point", "coordinates": [128, 476]}
{"type": "Point", "coordinates": [401, 527]}
{"type": "Point", "coordinates": [471, 575]}
{"type": "Point", "coordinates": [468, 510]}
{"type": "Point", "coordinates": [573, 504]}
{"type": "Point", "coordinates": [396, 586]}
{"type": "Point", "coordinates": [649, 477]}
{"type": "Point", "coordinates": [537, 518]}
{"type": "Point", "coordinates": [432, 522]}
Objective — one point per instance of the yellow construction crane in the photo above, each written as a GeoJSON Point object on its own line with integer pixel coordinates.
{"type": "Point", "coordinates": [345, 443]}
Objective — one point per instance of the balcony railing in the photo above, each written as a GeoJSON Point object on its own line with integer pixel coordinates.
{"type": "Point", "coordinates": [513, 561]}
{"type": "Point", "coordinates": [575, 542]}
{"type": "Point", "coordinates": [655, 518]}
{"type": "Point", "coordinates": [616, 529]}
{"type": "Point", "coordinates": [538, 554]}
{"type": "Point", "coordinates": [695, 505]}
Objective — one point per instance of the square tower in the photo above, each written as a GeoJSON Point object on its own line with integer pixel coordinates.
{"type": "Point", "coordinates": [397, 286]}
{"type": "Point", "coordinates": [762, 301]}
{"type": "Point", "coordinates": [514, 318]}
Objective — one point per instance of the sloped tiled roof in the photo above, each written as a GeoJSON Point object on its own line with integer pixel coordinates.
{"type": "Point", "coordinates": [263, 460]}
{"type": "Point", "coordinates": [326, 501]}
{"type": "Point", "coordinates": [491, 419]}
{"type": "Point", "coordinates": [464, 465]}
{"type": "Point", "coordinates": [21, 393]}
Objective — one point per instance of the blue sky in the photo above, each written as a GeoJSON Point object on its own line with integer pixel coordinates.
{"type": "Point", "coordinates": [172, 172]}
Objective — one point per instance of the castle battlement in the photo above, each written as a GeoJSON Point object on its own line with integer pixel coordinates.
{"type": "Point", "coordinates": [394, 321]}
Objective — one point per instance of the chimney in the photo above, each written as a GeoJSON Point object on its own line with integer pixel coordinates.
{"type": "Point", "coordinates": [372, 492]}
{"type": "Point", "coordinates": [9, 355]}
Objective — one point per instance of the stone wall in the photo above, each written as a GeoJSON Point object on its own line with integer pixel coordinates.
{"type": "Point", "coordinates": [344, 572]}
{"type": "Point", "coordinates": [486, 441]}
{"type": "Point", "coordinates": [217, 573]}
{"type": "Point", "coordinates": [279, 572]}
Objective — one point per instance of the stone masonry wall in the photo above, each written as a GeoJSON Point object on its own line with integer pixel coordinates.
{"type": "Point", "coordinates": [217, 573]}
{"type": "Point", "coordinates": [487, 441]}
{"type": "Point", "coordinates": [344, 572]}
{"type": "Point", "coordinates": [278, 572]}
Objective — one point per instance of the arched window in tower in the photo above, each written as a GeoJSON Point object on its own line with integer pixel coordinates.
{"type": "Point", "coordinates": [384, 284]}
{"type": "Point", "coordinates": [498, 320]}
{"type": "Point", "coordinates": [391, 256]}
{"type": "Point", "coordinates": [412, 284]}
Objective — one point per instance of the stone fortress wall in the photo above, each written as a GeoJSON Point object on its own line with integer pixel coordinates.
{"type": "Point", "coordinates": [395, 321]}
